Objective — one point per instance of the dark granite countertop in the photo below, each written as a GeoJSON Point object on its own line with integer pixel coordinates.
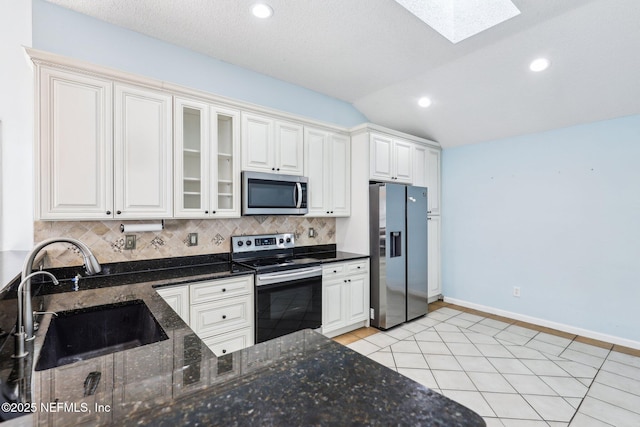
{"type": "Point", "coordinates": [299, 379]}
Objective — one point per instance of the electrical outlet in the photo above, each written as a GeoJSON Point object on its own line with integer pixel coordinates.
{"type": "Point", "coordinates": [312, 232]}
{"type": "Point", "coordinates": [516, 291]}
{"type": "Point", "coordinates": [372, 313]}
{"type": "Point", "coordinates": [130, 241]}
{"type": "Point", "coordinates": [192, 239]}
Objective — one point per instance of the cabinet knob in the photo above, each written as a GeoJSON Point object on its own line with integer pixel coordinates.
{"type": "Point", "coordinates": [224, 289]}
{"type": "Point", "coordinates": [206, 212]}
{"type": "Point", "coordinates": [224, 316]}
{"type": "Point", "coordinates": [428, 218]}
{"type": "Point", "coordinates": [213, 212]}
{"type": "Point", "coordinates": [108, 212]}
{"type": "Point", "coordinates": [118, 212]}
{"type": "Point", "coordinates": [278, 169]}
{"type": "Point", "coordinates": [273, 169]}
{"type": "Point", "coordinates": [359, 267]}
{"type": "Point", "coordinates": [335, 271]}
{"type": "Point", "coordinates": [224, 351]}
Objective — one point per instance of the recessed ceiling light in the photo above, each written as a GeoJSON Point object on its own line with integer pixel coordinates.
{"type": "Point", "coordinates": [539, 64]}
{"type": "Point", "coordinates": [424, 102]}
{"type": "Point", "coordinates": [262, 10]}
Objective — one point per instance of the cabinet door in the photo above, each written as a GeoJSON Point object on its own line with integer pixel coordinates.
{"type": "Point", "coordinates": [178, 299]}
{"type": "Point", "coordinates": [333, 309]}
{"type": "Point", "coordinates": [289, 148]}
{"type": "Point", "coordinates": [191, 158]}
{"type": "Point", "coordinates": [216, 317]}
{"type": "Point", "coordinates": [339, 187]}
{"type": "Point", "coordinates": [143, 153]}
{"type": "Point", "coordinates": [433, 180]}
{"type": "Point", "coordinates": [257, 143]}
{"type": "Point", "coordinates": [433, 256]}
{"type": "Point", "coordinates": [225, 163]}
{"type": "Point", "coordinates": [381, 153]}
{"type": "Point", "coordinates": [420, 166]}
{"type": "Point", "coordinates": [316, 168]}
{"type": "Point", "coordinates": [402, 161]}
{"type": "Point", "coordinates": [74, 151]}
{"type": "Point", "coordinates": [357, 287]}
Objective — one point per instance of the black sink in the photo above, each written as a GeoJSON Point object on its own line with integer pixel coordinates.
{"type": "Point", "coordinates": [95, 331]}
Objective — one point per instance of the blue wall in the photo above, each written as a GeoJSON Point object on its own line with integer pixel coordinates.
{"type": "Point", "coordinates": [556, 213]}
{"type": "Point", "coordinates": [61, 31]}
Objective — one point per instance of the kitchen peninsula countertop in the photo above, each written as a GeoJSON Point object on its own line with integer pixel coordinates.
{"type": "Point", "coordinates": [299, 379]}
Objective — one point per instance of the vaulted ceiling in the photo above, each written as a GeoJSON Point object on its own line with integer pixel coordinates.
{"type": "Point", "coordinates": [382, 59]}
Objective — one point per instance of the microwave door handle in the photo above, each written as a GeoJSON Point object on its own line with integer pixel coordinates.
{"type": "Point", "coordinates": [298, 191]}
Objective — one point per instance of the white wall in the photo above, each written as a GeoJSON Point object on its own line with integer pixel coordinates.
{"type": "Point", "coordinates": [555, 213]}
{"type": "Point", "coordinates": [62, 31]}
{"type": "Point", "coordinates": [16, 140]}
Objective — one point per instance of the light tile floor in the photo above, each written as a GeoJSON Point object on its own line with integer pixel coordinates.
{"type": "Point", "coordinates": [509, 374]}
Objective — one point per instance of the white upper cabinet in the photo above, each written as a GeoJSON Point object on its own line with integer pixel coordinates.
{"type": "Point", "coordinates": [143, 153]}
{"type": "Point", "coordinates": [327, 165]}
{"type": "Point", "coordinates": [75, 151]}
{"type": "Point", "coordinates": [390, 159]}
{"type": "Point", "coordinates": [270, 145]}
{"type": "Point", "coordinates": [433, 181]}
{"type": "Point", "coordinates": [206, 160]}
{"type": "Point", "coordinates": [426, 173]}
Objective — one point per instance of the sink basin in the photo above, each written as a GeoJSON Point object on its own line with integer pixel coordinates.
{"type": "Point", "coordinates": [95, 331]}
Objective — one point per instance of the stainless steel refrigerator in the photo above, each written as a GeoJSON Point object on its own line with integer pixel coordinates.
{"type": "Point", "coordinates": [398, 239]}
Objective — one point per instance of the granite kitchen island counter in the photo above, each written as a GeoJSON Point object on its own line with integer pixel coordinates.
{"type": "Point", "coordinates": [306, 379]}
{"type": "Point", "coordinates": [299, 379]}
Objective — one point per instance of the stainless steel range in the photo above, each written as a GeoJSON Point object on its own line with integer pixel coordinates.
{"type": "Point", "coordinates": [288, 289]}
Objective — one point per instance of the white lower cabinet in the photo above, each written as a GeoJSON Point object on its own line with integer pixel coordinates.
{"type": "Point", "coordinates": [433, 258]}
{"type": "Point", "coordinates": [345, 296]}
{"type": "Point", "coordinates": [219, 311]}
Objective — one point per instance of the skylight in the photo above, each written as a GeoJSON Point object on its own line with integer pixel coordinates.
{"type": "Point", "coordinates": [460, 19]}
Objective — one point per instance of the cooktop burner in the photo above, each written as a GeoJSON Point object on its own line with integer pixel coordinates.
{"type": "Point", "coordinates": [268, 252]}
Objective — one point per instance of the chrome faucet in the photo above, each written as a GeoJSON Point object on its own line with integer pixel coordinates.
{"type": "Point", "coordinates": [20, 334]}
{"type": "Point", "coordinates": [91, 265]}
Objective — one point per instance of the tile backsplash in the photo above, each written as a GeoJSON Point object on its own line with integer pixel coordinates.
{"type": "Point", "coordinates": [107, 241]}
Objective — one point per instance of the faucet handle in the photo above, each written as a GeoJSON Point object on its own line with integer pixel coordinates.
{"type": "Point", "coordinates": [36, 324]}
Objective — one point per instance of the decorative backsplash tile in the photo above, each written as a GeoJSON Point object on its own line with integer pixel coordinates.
{"type": "Point", "coordinates": [107, 241]}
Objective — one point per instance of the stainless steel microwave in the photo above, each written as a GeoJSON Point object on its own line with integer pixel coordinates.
{"type": "Point", "coordinates": [273, 194]}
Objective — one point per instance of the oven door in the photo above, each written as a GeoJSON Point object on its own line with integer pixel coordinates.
{"type": "Point", "coordinates": [271, 194]}
{"type": "Point", "coordinates": [288, 301]}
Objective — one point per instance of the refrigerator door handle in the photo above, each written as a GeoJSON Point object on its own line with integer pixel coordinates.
{"type": "Point", "coordinates": [396, 244]}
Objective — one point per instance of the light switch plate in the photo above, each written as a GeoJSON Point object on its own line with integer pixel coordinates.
{"type": "Point", "coordinates": [130, 241]}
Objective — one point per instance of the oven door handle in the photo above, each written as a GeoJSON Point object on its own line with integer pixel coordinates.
{"type": "Point", "coordinates": [304, 273]}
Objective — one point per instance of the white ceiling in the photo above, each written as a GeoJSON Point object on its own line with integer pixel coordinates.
{"type": "Point", "coordinates": [381, 58]}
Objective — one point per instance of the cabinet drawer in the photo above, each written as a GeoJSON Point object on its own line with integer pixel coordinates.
{"type": "Point", "coordinates": [360, 266]}
{"type": "Point", "coordinates": [333, 270]}
{"type": "Point", "coordinates": [228, 343]}
{"type": "Point", "coordinates": [222, 288]}
{"type": "Point", "coordinates": [217, 317]}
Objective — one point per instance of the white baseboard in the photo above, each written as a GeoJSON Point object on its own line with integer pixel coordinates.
{"type": "Point", "coordinates": [548, 324]}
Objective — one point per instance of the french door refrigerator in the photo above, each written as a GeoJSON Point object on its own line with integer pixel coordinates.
{"type": "Point", "coordinates": [398, 240]}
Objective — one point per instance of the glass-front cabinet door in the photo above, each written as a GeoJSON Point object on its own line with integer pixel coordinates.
{"type": "Point", "coordinates": [225, 194]}
{"type": "Point", "coordinates": [207, 175]}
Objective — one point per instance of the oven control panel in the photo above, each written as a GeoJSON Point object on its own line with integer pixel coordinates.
{"type": "Point", "coordinates": [262, 242]}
